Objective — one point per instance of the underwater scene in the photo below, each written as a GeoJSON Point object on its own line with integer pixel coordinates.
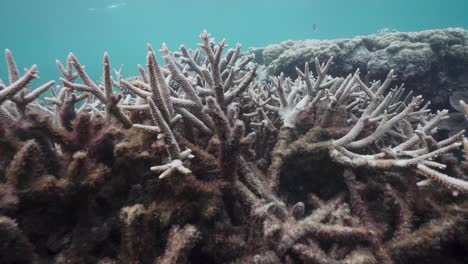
{"type": "Point", "coordinates": [221, 131]}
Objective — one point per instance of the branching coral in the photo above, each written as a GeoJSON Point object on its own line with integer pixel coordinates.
{"type": "Point", "coordinates": [15, 97]}
{"type": "Point", "coordinates": [200, 163]}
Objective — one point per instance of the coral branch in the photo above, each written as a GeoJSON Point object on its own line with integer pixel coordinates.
{"type": "Point", "coordinates": [181, 241]}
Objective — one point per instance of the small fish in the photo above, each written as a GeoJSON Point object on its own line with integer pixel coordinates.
{"type": "Point", "coordinates": [459, 101]}
{"type": "Point", "coordinates": [458, 120]}
{"type": "Point", "coordinates": [314, 27]}
{"type": "Point", "coordinates": [133, 80]}
{"type": "Point", "coordinates": [112, 6]}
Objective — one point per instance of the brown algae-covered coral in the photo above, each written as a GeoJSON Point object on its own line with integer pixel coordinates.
{"type": "Point", "coordinates": [200, 163]}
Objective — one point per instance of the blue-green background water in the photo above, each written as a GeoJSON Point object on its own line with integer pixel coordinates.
{"type": "Point", "coordinates": [40, 31]}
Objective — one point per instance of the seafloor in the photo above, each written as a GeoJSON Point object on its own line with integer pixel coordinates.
{"type": "Point", "coordinates": [299, 152]}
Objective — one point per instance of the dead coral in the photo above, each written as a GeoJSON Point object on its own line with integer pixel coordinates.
{"type": "Point", "coordinates": [15, 246]}
{"type": "Point", "coordinates": [200, 163]}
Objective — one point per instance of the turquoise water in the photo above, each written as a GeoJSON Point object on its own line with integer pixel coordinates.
{"type": "Point", "coordinates": [40, 31]}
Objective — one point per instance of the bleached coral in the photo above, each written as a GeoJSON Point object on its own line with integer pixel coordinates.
{"type": "Point", "coordinates": [432, 63]}
{"type": "Point", "coordinates": [198, 163]}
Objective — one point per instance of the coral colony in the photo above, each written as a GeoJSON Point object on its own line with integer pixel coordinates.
{"type": "Point", "coordinates": [198, 162]}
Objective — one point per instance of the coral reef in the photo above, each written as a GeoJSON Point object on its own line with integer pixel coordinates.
{"type": "Point", "coordinates": [433, 63]}
{"type": "Point", "coordinates": [200, 162]}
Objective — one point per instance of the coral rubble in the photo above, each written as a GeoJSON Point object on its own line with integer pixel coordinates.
{"type": "Point", "coordinates": [197, 161]}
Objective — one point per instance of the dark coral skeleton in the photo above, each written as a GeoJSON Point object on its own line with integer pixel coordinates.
{"type": "Point", "coordinates": [201, 163]}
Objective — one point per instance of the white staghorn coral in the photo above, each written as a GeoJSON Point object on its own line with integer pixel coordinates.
{"type": "Point", "coordinates": [393, 128]}
{"type": "Point", "coordinates": [274, 170]}
{"type": "Point", "coordinates": [17, 95]}
{"type": "Point", "coordinates": [174, 93]}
